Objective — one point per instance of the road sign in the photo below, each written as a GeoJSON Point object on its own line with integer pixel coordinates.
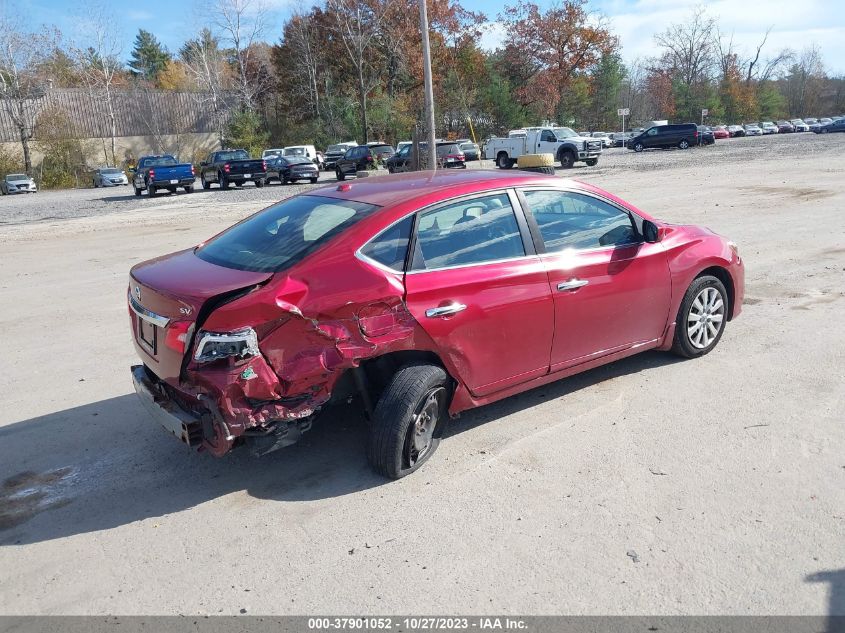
{"type": "Point", "coordinates": [705, 112]}
{"type": "Point", "coordinates": [623, 111]}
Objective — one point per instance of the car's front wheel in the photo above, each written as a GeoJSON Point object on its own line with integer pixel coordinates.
{"type": "Point", "coordinates": [701, 317]}
{"type": "Point", "coordinates": [409, 420]}
{"type": "Point", "coordinates": [684, 144]}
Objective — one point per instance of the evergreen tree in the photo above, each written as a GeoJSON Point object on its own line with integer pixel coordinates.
{"type": "Point", "coordinates": [148, 57]}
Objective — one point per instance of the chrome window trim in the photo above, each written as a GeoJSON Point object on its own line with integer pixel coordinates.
{"type": "Point", "coordinates": [475, 265]}
{"type": "Point", "coordinates": [148, 315]}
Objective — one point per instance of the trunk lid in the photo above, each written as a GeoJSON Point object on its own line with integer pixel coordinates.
{"type": "Point", "coordinates": [167, 296]}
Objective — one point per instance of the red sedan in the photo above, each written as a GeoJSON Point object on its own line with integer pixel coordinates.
{"type": "Point", "coordinates": [720, 131]}
{"type": "Point", "coordinates": [419, 296]}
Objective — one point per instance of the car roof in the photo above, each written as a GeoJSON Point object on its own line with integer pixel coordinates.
{"type": "Point", "coordinates": [396, 188]}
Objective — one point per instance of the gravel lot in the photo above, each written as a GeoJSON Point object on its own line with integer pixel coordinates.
{"type": "Point", "coordinates": [649, 486]}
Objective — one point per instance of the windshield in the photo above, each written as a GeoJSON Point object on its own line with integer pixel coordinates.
{"type": "Point", "coordinates": [271, 152]}
{"type": "Point", "coordinates": [294, 151]}
{"type": "Point", "coordinates": [564, 132]}
{"type": "Point", "coordinates": [110, 171]}
{"type": "Point", "coordinates": [238, 154]}
{"type": "Point", "coordinates": [337, 148]}
{"type": "Point", "coordinates": [17, 177]}
{"type": "Point", "coordinates": [283, 234]}
{"type": "Point", "coordinates": [825, 120]}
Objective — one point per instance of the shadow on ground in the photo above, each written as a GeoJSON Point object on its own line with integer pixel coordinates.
{"type": "Point", "coordinates": [835, 598]}
{"type": "Point", "coordinates": [104, 464]}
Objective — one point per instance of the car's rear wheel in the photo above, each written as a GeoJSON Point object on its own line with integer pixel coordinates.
{"type": "Point", "coordinates": [701, 317]}
{"type": "Point", "coordinates": [339, 174]}
{"type": "Point", "coordinates": [151, 190]}
{"type": "Point", "coordinates": [314, 181]}
{"type": "Point", "coordinates": [409, 420]}
{"type": "Point", "coordinates": [684, 144]}
{"type": "Point", "coordinates": [503, 162]}
{"type": "Point", "coordinates": [224, 182]}
{"type": "Point", "coordinates": [189, 189]}
{"type": "Point", "coordinates": [205, 184]}
{"type": "Point", "coordinates": [259, 183]}
{"type": "Point", "coordinates": [137, 191]}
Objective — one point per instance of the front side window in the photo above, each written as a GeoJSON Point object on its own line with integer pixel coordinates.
{"type": "Point", "coordinates": [473, 231]}
{"type": "Point", "coordinates": [547, 137]}
{"type": "Point", "coordinates": [390, 247]}
{"type": "Point", "coordinates": [570, 220]}
{"type": "Point", "coordinates": [281, 235]}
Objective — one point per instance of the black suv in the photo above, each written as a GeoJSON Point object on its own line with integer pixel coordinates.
{"type": "Point", "coordinates": [361, 158]}
{"type": "Point", "coordinates": [682, 136]}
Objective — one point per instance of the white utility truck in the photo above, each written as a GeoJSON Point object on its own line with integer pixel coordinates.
{"type": "Point", "coordinates": [563, 143]}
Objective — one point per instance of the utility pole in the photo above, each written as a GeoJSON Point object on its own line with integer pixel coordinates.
{"type": "Point", "coordinates": [429, 89]}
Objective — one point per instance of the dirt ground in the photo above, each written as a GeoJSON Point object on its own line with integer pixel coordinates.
{"type": "Point", "coordinates": [650, 486]}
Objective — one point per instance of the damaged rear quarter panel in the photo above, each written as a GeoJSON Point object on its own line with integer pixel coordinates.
{"type": "Point", "coordinates": [314, 321]}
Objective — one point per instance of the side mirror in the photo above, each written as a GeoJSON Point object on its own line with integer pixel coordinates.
{"type": "Point", "coordinates": [203, 164]}
{"type": "Point", "coordinates": [651, 233]}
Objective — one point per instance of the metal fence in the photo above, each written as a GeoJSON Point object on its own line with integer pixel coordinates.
{"type": "Point", "coordinates": [137, 113]}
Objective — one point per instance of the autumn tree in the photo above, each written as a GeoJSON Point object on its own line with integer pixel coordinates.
{"type": "Point", "coordinates": [557, 44]}
{"type": "Point", "coordinates": [205, 63]}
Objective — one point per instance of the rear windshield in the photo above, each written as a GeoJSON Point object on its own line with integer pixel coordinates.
{"type": "Point", "coordinates": [238, 154]}
{"type": "Point", "coordinates": [158, 161]}
{"type": "Point", "coordinates": [110, 171]}
{"type": "Point", "coordinates": [337, 148]}
{"type": "Point", "coordinates": [281, 235]}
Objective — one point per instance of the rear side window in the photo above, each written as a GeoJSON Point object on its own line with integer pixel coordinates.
{"type": "Point", "coordinates": [390, 247]}
{"type": "Point", "coordinates": [281, 235]}
{"type": "Point", "coordinates": [573, 221]}
{"type": "Point", "coordinates": [474, 231]}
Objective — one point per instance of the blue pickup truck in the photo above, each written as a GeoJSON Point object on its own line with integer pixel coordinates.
{"type": "Point", "coordinates": [162, 172]}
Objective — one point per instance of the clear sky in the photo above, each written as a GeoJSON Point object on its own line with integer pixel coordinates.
{"type": "Point", "coordinates": [795, 24]}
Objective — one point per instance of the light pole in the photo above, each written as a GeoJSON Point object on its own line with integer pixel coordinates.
{"type": "Point", "coordinates": [429, 89]}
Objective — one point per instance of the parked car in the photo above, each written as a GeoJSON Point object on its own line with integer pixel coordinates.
{"type": "Point", "coordinates": [153, 173]}
{"type": "Point", "coordinates": [720, 131]}
{"type": "Point", "coordinates": [814, 127]}
{"type": "Point", "coordinates": [563, 143]}
{"type": "Point", "coordinates": [287, 169]}
{"type": "Point", "coordinates": [309, 151]}
{"type": "Point", "coordinates": [358, 158]}
{"type": "Point", "coordinates": [680, 135]}
{"type": "Point", "coordinates": [810, 121]}
{"type": "Point", "coordinates": [109, 177]}
{"type": "Point", "coordinates": [785, 127]}
{"type": "Point", "coordinates": [471, 151]}
{"type": "Point", "coordinates": [17, 183]}
{"type": "Point", "coordinates": [834, 126]}
{"type": "Point", "coordinates": [232, 167]}
{"type": "Point", "coordinates": [278, 151]}
{"type": "Point", "coordinates": [705, 135]}
{"type": "Point", "coordinates": [381, 151]}
{"type": "Point", "coordinates": [321, 300]}
{"type": "Point", "coordinates": [768, 127]}
{"type": "Point", "coordinates": [736, 131]}
{"type": "Point", "coordinates": [620, 139]}
{"type": "Point", "coordinates": [606, 141]}
{"type": "Point", "coordinates": [799, 126]}
{"type": "Point", "coordinates": [449, 156]}
{"type": "Point", "coordinates": [752, 129]}
{"type": "Point", "coordinates": [335, 152]}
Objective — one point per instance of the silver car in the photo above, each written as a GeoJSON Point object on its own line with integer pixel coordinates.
{"type": "Point", "coordinates": [17, 183]}
{"type": "Point", "coordinates": [109, 177]}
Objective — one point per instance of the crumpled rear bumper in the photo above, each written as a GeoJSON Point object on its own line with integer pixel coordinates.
{"type": "Point", "coordinates": [184, 425]}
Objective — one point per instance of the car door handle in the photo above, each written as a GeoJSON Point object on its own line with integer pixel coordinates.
{"type": "Point", "coordinates": [452, 308]}
{"type": "Point", "coordinates": [572, 284]}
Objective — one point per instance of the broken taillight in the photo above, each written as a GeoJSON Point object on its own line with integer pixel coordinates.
{"type": "Point", "coordinates": [176, 335]}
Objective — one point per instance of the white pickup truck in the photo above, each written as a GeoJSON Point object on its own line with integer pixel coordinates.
{"type": "Point", "coordinates": [563, 143]}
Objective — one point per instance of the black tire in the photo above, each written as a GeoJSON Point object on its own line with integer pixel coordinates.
{"type": "Point", "coordinates": [825, 130]}
{"type": "Point", "coordinates": [137, 191]}
{"type": "Point", "coordinates": [391, 443]}
{"type": "Point", "coordinates": [550, 171]}
{"type": "Point", "coordinates": [314, 181]}
{"type": "Point", "coordinates": [503, 162]}
{"type": "Point", "coordinates": [284, 180]}
{"type": "Point", "coordinates": [151, 190]}
{"type": "Point", "coordinates": [339, 174]}
{"type": "Point", "coordinates": [639, 147]}
{"type": "Point", "coordinates": [684, 144]}
{"type": "Point", "coordinates": [259, 183]}
{"type": "Point", "coordinates": [94, 182]}
{"type": "Point", "coordinates": [592, 162]}
{"type": "Point", "coordinates": [567, 159]}
{"type": "Point", "coordinates": [189, 189]}
{"type": "Point", "coordinates": [683, 345]}
{"type": "Point", "coordinates": [224, 182]}
{"type": "Point", "coordinates": [205, 184]}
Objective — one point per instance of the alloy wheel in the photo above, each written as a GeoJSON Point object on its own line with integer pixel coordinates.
{"type": "Point", "coordinates": [706, 317]}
